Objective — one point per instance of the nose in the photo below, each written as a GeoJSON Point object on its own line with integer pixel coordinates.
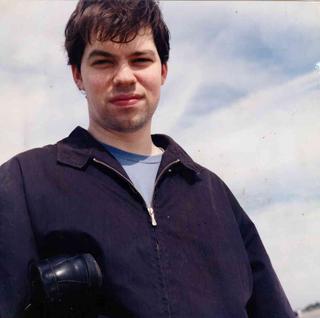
{"type": "Point", "coordinates": [124, 76]}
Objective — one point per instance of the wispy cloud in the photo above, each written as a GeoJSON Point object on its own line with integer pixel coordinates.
{"type": "Point", "coordinates": [264, 136]}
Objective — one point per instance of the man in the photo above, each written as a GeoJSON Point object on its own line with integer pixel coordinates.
{"type": "Point", "coordinates": [170, 238]}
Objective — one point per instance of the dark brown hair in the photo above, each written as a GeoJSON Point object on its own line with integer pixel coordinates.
{"type": "Point", "coordinates": [115, 20]}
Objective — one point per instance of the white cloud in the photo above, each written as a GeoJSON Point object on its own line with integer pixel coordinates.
{"type": "Point", "coordinates": [290, 232]}
{"type": "Point", "coordinates": [39, 102]}
{"type": "Point", "coordinates": [273, 134]}
{"type": "Point", "coordinates": [271, 17]}
{"type": "Point", "coordinates": [218, 43]}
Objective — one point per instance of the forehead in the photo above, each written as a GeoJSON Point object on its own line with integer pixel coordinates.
{"type": "Point", "coordinates": [142, 42]}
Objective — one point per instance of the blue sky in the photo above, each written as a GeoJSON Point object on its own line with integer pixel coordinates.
{"type": "Point", "coordinates": [242, 97]}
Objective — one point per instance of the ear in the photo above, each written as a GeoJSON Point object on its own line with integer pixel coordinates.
{"type": "Point", "coordinates": [76, 73]}
{"type": "Point", "coordinates": [164, 72]}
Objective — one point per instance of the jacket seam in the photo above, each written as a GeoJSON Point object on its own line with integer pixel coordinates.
{"type": "Point", "coordinates": [27, 203]}
{"type": "Point", "coordinates": [164, 269]}
{"type": "Point", "coordinates": [161, 278]}
{"type": "Point", "coordinates": [28, 295]}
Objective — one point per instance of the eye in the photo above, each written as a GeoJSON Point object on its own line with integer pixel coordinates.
{"type": "Point", "coordinates": [102, 62]}
{"type": "Point", "coordinates": [142, 60]}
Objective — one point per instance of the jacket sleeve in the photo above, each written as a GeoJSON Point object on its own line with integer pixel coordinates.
{"type": "Point", "coordinates": [17, 243]}
{"type": "Point", "coordinates": [268, 299]}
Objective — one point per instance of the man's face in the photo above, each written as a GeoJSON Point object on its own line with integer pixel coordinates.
{"type": "Point", "coordinates": [122, 83]}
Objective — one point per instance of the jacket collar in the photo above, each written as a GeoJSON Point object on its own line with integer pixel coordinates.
{"type": "Point", "coordinates": [173, 152]}
{"type": "Point", "coordinates": [79, 149]}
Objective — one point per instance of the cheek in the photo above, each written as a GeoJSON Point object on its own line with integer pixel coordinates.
{"type": "Point", "coordinates": [96, 82]}
{"type": "Point", "coordinates": [151, 82]}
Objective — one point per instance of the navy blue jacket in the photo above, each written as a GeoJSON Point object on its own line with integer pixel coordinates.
{"type": "Point", "coordinates": [197, 254]}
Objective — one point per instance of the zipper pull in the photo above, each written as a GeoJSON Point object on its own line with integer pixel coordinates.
{"type": "Point", "coordinates": [152, 216]}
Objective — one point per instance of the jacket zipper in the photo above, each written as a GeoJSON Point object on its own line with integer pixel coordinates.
{"type": "Point", "coordinates": [149, 209]}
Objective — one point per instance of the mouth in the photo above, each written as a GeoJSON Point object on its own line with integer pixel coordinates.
{"type": "Point", "coordinates": [125, 99]}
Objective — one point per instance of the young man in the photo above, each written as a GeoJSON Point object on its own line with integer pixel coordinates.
{"type": "Point", "coordinates": [169, 236]}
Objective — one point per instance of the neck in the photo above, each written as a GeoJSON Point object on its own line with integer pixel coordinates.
{"type": "Point", "coordinates": [138, 142]}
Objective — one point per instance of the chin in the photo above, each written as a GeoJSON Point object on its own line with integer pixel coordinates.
{"type": "Point", "coordinates": [132, 125]}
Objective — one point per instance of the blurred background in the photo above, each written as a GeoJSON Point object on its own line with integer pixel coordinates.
{"type": "Point", "coordinates": [242, 97]}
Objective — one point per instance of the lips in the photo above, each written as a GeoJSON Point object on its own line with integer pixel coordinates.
{"type": "Point", "coordinates": [125, 99]}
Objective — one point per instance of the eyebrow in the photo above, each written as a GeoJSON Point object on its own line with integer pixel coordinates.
{"type": "Point", "coordinates": [145, 52]}
{"type": "Point", "coordinates": [102, 53]}
{"type": "Point", "coordinates": [99, 53]}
